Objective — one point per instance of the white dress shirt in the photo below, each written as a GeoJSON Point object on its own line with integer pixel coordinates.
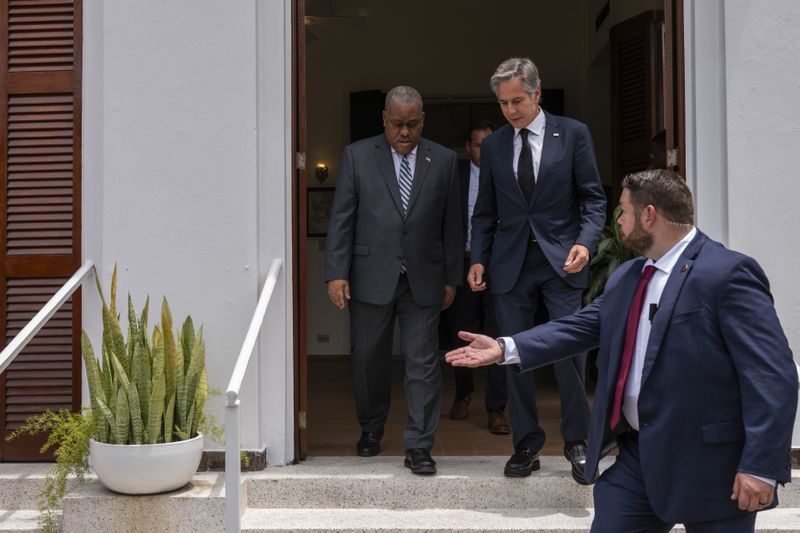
{"type": "Point", "coordinates": [535, 139]}
{"type": "Point", "coordinates": [664, 266]}
{"type": "Point", "coordinates": [472, 195]}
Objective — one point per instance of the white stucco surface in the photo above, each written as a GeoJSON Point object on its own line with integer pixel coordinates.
{"type": "Point", "coordinates": [743, 134]}
{"type": "Point", "coordinates": [173, 190]}
{"type": "Point", "coordinates": [763, 77]}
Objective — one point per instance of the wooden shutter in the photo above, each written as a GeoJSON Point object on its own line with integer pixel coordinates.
{"type": "Point", "coordinates": [40, 235]}
{"type": "Point", "coordinates": [636, 110]}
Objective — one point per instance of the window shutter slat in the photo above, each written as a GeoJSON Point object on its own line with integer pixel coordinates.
{"type": "Point", "coordinates": [40, 36]}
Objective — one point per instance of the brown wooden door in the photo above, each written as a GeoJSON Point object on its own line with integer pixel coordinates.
{"type": "Point", "coordinates": [674, 82]}
{"type": "Point", "coordinates": [299, 255]}
{"type": "Point", "coordinates": [647, 90]}
{"type": "Point", "coordinates": [636, 110]}
{"type": "Point", "coordinates": [40, 235]}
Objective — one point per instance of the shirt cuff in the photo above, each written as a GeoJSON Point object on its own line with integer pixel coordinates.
{"type": "Point", "coordinates": [766, 480]}
{"type": "Point", "coordinates": [511, 353]}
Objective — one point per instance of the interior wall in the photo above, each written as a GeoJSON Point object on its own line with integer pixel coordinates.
{"type": "Point", "coordinates": [462, 44]}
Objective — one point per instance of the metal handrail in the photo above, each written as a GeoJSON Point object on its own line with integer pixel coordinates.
{"type": "Point", "coordinates": [27, 333]}
{"type": "Point", "coordinates": [233, 467]}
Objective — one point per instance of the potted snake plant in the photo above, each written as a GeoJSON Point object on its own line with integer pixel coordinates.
{"type": "Point", "coordinates": [143, 431]}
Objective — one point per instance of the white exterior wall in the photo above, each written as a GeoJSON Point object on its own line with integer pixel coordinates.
{"type": "Point", "coordinates": [187, 182]}
{"type": "Point", "coordinates": [743, 135]}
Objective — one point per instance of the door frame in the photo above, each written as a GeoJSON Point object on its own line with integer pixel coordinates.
{"type": "Point", "coordinates": [674, 111]}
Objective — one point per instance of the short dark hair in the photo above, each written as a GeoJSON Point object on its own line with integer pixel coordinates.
{"type": "Point", "coordinates": [665, 190]}
{"type": "Point", "coordinates": [478, 126]}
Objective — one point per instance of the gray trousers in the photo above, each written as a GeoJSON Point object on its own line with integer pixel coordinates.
{"type": "Point", "coordinates": [371, 334]}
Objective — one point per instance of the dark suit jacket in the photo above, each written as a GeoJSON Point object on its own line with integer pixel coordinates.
{"type": "Point", "coordinates": [568, 206]}
{"type": "Point", "coordinates": [463, 176]}
{"type": "Point", "coordinates": [719, 386]}
{"type": "Point", "coordinates": [368, 235]}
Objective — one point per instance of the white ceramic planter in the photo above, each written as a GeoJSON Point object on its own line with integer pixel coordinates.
{"type": "Point", "coordinates": [146, 468]}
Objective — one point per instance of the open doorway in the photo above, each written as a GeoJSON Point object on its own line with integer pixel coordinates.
{"type": "Point", "coordinates": [351, 53]}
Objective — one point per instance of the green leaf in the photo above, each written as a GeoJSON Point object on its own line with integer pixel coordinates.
{"type": "Point", "coordinates": [132, 395]}
{"type": "Point", "coordinates": [170, 350]}
{"type": "Point", "coordinates": [123, 417]}
{"type": "Point", "coordinates": [156, 411]}
{"type": "Point", "coordinates": [110, 420]}
{"type": "Point", "coordinates": [169, 416]}
{"type": "Point", "coordinates": [95, 382]}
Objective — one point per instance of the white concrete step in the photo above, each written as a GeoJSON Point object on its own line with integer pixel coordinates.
{"type": "Point", "coordinates": [455, 520]}
{"type": "Point", "coordinates": [20, 483]}
{"type": "Point", "coordinates": [343, 494]}
{"type": "Point", "coordinates": [198, 507]}
{"type": "Point", "coordinates": [383, 482]}
{"type": "Point", "coordinates": [461, 483]}
{"type": "Point", "coordinates": [19, 520]}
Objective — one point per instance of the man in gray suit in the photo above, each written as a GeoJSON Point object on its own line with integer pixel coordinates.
{"type": "Point", "coordinates": [394, 250]}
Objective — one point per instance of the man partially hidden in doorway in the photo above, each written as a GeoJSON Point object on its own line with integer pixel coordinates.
{"type": "Point", "coordinates": [395, 250]}
{"type": "Point", "coordinates": [473, 311]}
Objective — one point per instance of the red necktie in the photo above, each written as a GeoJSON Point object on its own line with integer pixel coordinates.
{"type": "Point", "coordinates": [630, 343]}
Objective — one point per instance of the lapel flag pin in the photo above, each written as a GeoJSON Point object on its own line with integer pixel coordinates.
{"type": "Point", "coordinates": [685, 267]}
{"type": "Point", "coordinates": [427, 159]}
{"type": "Point", "coordinates": [555, 134]}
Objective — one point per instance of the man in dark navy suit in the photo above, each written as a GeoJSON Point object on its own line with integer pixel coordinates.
{"type": "Point", "coordinates": [539, 213]}
{"type": "Point", "coordinates": [472, 311]}
{"type": "Point", "coordinates": [696, 382]}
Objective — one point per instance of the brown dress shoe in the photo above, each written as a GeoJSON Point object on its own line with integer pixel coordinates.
{"type": "Point", "coordinates": [498, 423]}
{"type": "Point", "coordinates": [459, 410]}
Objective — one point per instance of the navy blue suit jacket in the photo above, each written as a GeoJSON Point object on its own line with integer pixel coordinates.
{"type": "Point", "coordinates": [719, 385]}
{"type": "Point", "coordinates": [568, 206]}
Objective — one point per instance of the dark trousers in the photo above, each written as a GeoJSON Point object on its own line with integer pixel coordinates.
{"type": "Point", "coordinates": [621, 503]}
{"type": "Point", "coordinates": [474, 312]}
{"type": "Point", "coordinates": [371, 334]}
{"type": "Point", "coordinates": [515, 312]}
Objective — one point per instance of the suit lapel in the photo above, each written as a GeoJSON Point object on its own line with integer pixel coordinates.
{"type": "Point", "coordinates": [666, 304]}
{"type": "Point", "coordinates": [552, 145]}
{"type": "Point", "coordinates": [421, 167]}
{"type": "Point", "coordinates": [623, 297]}
{"type": "Point", "coordinates": [383, 155]}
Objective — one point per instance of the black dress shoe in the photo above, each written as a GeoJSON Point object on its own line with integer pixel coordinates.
{"type": "Point", "coordinates": [575, 452]}
{"type": "Point", "coordinates": [419, 460]}
{"type": "Point", "coordinates": [522, 463]}
{"type": "Point", "coordinates": [368, 445]}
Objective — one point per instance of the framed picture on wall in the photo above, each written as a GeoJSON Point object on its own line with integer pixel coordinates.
{"type": "Point", "coordinates": [318, 208]}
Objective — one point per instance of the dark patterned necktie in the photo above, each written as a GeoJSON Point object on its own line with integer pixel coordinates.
{"type": "Point", "coordinates": [525, 167]}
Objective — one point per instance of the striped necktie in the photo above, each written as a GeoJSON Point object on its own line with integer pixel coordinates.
{"type": "Point", "coordinates": [405, 182]}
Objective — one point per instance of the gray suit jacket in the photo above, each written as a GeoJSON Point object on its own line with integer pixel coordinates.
{"type": "Point", "coordinates": [369, 237]}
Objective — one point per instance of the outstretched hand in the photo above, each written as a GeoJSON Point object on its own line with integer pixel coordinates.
{"type": "Point", "coordinates": [481, 351]}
